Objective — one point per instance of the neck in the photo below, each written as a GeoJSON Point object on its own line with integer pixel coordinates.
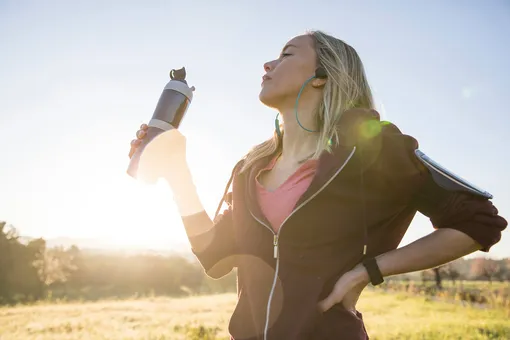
{"type": "Point", "coordinates": [299, 143]}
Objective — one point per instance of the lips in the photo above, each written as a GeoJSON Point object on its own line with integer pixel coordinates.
{"type": "Point", "coordinates": [265, 78]}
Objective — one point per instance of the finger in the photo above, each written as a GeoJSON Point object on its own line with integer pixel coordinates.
{"type": "Point", "coordinates": [326, 304]}
{"type": "Point", "coordinates": [140, 134]}
{"type": "Point", "coordinates": [135, 142]}
{"type": "Point", "coordinates": [144, 126]}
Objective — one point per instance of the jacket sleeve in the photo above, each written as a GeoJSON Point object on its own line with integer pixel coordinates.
{"type": "Point", "coordinates": [439, 196]}
{"type": "Point", "coordinates": [215, 248]}
{"type": "Point", "coordinates": [449, 205]}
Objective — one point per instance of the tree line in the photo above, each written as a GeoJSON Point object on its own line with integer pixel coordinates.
{"type": "Point", "coordinates": [31, 271]}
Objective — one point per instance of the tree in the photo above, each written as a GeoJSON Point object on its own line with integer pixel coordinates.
{"type": "Point", "coordinates": [483, 268]}
{"type": "Point", "coordinates": [18, 279]}
{"type": "Point", "coordinates": [426, 275]}
{"type": "Point", "coordinates": [451, 271]}
{"type": "Point", "coordinates": [506, 265]}
{"type": "Point", "coordinates": [53, 265]}
{"type": "Point", "coordinates": [437, 277]}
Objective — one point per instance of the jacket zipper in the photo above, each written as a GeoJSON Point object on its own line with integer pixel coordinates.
{"type": "Point", "coordinates": [276, 236]}
{"type": "Point", "coordinates": [275, 244]}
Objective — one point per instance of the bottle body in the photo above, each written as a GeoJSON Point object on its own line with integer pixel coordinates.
{"type": "Point", "coordinates": [171, 108]}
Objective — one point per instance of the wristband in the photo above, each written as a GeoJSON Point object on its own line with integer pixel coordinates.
{"type": "Point", "coordinates": [374, 273]}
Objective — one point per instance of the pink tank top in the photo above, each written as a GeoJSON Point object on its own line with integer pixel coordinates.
{"type": "Point", "coordinates": [278, 204]}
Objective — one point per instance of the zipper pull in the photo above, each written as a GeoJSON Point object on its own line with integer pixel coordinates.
{"type": "Point", "coordinates": [275, 243]}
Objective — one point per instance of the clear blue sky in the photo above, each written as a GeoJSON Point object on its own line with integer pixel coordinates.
{"type": "Point", "coordinates": [77, 80]}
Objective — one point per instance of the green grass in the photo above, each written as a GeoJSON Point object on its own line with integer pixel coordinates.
{"type": "Point", "coordinates": [400, 316]}
{"type": "Point", "coordinates": [387, 316]}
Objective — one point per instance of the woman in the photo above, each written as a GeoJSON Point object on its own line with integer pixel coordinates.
{"type": "Point", "coordinates": [317, 211]}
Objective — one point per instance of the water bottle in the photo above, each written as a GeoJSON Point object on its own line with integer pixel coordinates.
{"type": "Point", "coordinates": [170, 110]}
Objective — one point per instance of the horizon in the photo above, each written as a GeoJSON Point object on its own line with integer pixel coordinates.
{"type": "Point", "coordinates": [77, 87]}
{"type": "Point", "coordinates": [181, 249]}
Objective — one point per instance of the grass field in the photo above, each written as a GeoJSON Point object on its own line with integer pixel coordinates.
{"type": "Point", "coordinates": [387, 316]}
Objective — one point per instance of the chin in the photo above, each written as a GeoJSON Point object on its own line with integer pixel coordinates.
{"type": "Point", "coordinates": [268, 99]}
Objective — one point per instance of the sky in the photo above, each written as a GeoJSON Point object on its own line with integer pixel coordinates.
{"type": "Point", "coordinates": [78, 78]}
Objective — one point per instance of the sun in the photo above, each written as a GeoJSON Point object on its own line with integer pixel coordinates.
{"type": "Point", "coordinates": [141, 215]}
{"type": "Point", "coordinates": [92, 197]}
{"type": "Point", "coordinates": [89, 195]}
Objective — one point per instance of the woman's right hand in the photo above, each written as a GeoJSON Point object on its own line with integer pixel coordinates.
{"type": "Point", "coordinates": [165, 154]}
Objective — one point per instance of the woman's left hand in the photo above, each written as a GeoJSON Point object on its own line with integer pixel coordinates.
{"type": "Point", "coordinates": [347, 290]}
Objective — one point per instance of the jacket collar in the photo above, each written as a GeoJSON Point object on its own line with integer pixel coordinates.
{"type": "Point", "coordinates": [356, 127]}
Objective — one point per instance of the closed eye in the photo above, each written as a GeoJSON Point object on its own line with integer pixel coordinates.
{"type": "Point", "coordinates": [285, 55]}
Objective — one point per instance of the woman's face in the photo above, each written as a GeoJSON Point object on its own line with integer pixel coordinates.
{"type": "Point", "coordinates": [285, 75]}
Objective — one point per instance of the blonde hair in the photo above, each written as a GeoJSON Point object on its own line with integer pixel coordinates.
{"type": "Point", "coordinates": [346, 88]}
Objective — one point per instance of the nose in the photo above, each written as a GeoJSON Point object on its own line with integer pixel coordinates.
{"type": "Point", "coordinates": [268, 66]}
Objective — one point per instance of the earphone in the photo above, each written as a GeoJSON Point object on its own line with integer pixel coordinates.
{"type": "Point", "coordinates": [320, 73]}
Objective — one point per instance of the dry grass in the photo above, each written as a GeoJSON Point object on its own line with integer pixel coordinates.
{"type": "Point", "coordinates": [388, 316]}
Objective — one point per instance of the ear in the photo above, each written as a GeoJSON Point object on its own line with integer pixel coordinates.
{"type": "Point", "coordinates": [318, 83]}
